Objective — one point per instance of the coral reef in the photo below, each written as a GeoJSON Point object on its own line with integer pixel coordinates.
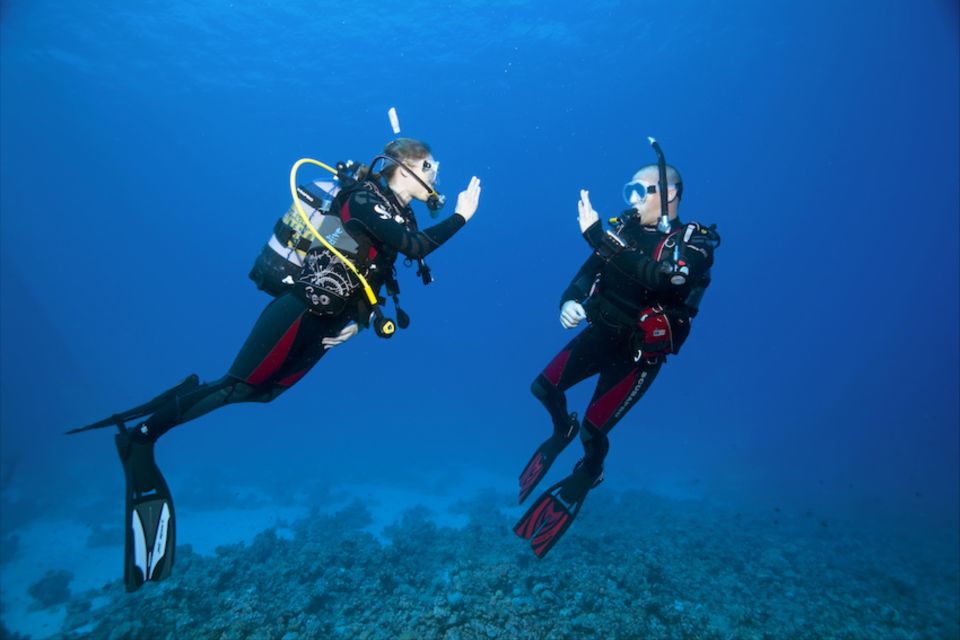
{"type": "Point", "coordinates": [6, 634]}
{"type": "Point", "coordinates": [52, 589]}
{"type": "Point", "coordinates": [634, 565]}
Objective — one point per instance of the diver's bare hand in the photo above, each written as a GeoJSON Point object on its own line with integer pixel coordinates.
{"type": "Point", "coordinates": [572, 313]}
{"type": "Point", "coordinates": [345, 334]}
{"type": "Point", "coordinates": [469, 200]}
{"type": "Point", "coordinates": [588, 217]}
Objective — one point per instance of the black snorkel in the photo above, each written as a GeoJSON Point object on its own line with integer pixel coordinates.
{"type": "Point", "coordinates": [435, 200]}
{"type": "Point", "coordinates": [663, 225]}
{"type": "Point", "coordinates": [681, 271]}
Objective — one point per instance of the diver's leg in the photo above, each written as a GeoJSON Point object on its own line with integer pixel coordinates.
{"type": "Point", "coordinates": [622, 383]}
{"type": "Point", "coordinates": [235, 387]}
{"type": "Point", "coordinates": [271, 341]}
{"type": "Point", "coordinates": [576, 362]}
{"type": "Point", "coordinates": [283, 345]}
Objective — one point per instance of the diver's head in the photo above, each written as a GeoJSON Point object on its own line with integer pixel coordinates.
{"type": "Point", "coordinates": [411, 157]}
{"type": "Point", "coordinates": [643, 193]}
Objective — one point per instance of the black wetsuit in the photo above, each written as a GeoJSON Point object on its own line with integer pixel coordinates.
{"type": "Point", "coordinates": [614, 290]}
{"type": "Point", "coordinates": [285, 342]}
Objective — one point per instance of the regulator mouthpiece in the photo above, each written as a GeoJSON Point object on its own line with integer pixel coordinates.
{"type": "Point", "coordinates": [435, 202]}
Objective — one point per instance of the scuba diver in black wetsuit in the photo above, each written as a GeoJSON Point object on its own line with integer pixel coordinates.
{"type": "Point", "coordinates": [639, 290]}
{"type": "Point", "coordinates": [369, 225]}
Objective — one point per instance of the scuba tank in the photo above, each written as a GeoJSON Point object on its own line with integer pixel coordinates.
{"type": "Point", "coordinates": [334, 271]}
{"type": "Point", "coordinates": [313, 255]}
{"type": "Point", "coordinates": [325, 282]}
{"type": "Point", "coordinates": [282, 257]}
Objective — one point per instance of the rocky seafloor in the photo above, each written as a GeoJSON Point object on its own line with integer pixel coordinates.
{"type": "Point", "coordinates": [634, 565]}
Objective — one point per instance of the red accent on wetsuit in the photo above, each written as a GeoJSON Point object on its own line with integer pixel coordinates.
{"type": "Point", "coordinates": [554, 370]}
{"type": "Point", "coordinates": [292, 379]}
{"type": "Point", "coordinates": [600, 411]}
{"type": "Point", "coordinates": [274, 360]}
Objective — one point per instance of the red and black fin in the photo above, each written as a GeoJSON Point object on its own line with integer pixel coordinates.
{"type": "Point", "coordinates": [551, 515]}
{"type": "Point", "coordinates": [544, 456]}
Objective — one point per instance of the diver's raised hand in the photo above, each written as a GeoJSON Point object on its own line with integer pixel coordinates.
{"type": "Point", "coordinates": [588, 217]}
{"type": "Point", "coordinates": [469, 200]}
{"type": "Point", "coordinates": [572, 313]}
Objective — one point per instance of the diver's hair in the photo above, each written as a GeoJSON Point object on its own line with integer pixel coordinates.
{"type": "Point", "coordinates": [403, 149]}
{"type": "Point", "coordinates": [673, 176]}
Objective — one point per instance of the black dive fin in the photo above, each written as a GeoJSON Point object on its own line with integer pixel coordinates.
{"type": "Point", "coordinates": [551, 515]}
{"type": "Point", "coordinates": [190, 383]}
{"type": "Point", "coordinates": [544, 456]}
{"type": "Point", "coordinates": [148, 518]}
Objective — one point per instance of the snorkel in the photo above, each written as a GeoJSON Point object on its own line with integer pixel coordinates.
{"type": "Point", "coordinates": [680, 269]}
{"type": "Point", "coordinates": [663, 225]}
{"type": "Point", "coordinates": [435, 200]}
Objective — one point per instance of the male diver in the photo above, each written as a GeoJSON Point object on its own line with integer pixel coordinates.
{"type": "Point", "coordinates": [638, 292]}
{"type": "Point", "coordinates": [369, 224]}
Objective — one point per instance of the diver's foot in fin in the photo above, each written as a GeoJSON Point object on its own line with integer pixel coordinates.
{"type": "Point", "coordinates": [551, 515]}
{"type": "Point", "coordinates": [544, 456]}
{"type": "Point", "coordinates": [189, 383]}
{"type": "Point", "coordinates": [149, 518]}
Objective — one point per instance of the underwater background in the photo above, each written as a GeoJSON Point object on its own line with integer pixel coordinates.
{"type": "Point", "coordinates": [792, 474]}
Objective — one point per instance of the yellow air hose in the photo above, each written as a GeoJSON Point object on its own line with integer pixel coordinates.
{"type": "Point", "coordinates": [371, 296]}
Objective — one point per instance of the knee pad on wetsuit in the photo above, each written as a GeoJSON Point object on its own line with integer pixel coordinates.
{"type": "Point", "coordinates": [554, 401]}
{"type": "Point", "coordinates": [541, 387]}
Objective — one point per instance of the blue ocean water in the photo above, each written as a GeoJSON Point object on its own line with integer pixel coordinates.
{"type": "Point", "coordinates": [144, 157]}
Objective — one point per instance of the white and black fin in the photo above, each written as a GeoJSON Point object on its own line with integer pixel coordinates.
{"type": "Point", "coordinates": [152, 533]}
{"type": "Point", "coordinates": [149, 521]}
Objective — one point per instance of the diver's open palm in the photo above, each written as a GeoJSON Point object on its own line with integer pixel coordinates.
{"type": "Point", "coordinates": [588, 217]}
{"type": "Point", "coordinates": [469, 200]}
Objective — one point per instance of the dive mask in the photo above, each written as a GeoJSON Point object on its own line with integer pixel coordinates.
{"type": "Point", "coordinates": [636, 192]}
{"type": "Point", "coordinates": [430, 170]}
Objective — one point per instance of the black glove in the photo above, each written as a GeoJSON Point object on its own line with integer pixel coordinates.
{"type": "Point", "coordinates": [604, 243]}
